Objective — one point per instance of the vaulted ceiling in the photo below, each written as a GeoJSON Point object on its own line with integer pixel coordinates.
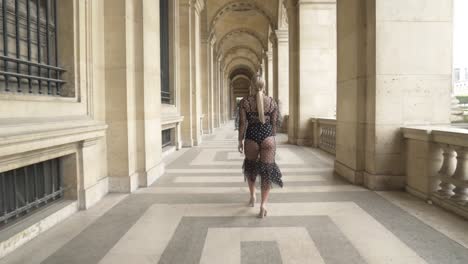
{"type": "Point", "coordinates": [242, 30]}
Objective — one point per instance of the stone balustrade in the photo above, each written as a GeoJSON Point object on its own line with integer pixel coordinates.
{"type": "Point", "coordinates": [437, 166]}
{"type": "Point", "coordinates": [324, 130]}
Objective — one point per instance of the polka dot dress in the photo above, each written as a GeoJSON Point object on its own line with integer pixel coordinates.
{"type": "Point", "coordinates": [260, 144]}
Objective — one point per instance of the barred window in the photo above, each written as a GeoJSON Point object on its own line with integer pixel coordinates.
{"type": "Point", "coordinates": [29, 62]}
{"type": "Point", "coordinates": [166, 94]}
{"type": "Point", "coordinates": [24, 189]}
{"type": "Point", "coordinates": [167, 137]}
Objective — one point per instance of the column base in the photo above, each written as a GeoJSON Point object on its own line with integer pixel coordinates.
{"type": "Point", "coordinates": [197, 142]}
{"type": "Point", "coordinates": [187, 143]}
{"type": "Point", "coordinates": [149, 177]}
{"type": "Point", "coordinates": [124, 184]}
{"type": "Point", "coordinates": [416, 193]}
{"type": "Point", "coordinates": [292, 141]}
{"type": "Point", "coordinates": [371, 181]}
{"type": "Point", "coordinates": [384, 182]}
{"type": "Point", "coordinates": [304, 142]}
{"type": "Point", "coordinates": [93, 194]}
{"type": "Point", "coordinates": [179, 145]}
{"type": "Point", "coordinates": [351, 175]}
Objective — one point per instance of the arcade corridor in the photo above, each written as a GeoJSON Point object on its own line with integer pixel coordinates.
{"type": "Point", "coordinates": [196, 213]}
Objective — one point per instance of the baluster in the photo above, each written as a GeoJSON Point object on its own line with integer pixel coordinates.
{"type": "Point", "coordinates": [446, 171]}
{"type": "Point", "coordinates": [321, 138]}
{"type": "Point", "coordinates": [326, 138]}
{"type": "Point", "coordinates": [461, 174]}
{"type": "Point", "coordinates": [334, 139]}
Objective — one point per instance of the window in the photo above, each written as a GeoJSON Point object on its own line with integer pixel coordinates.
{"type": "Point", "coordinates": [167, 138]}
{"type": "Point", "coordinates": [166, 95]}
{"type": "Point", "coordinates": [24, 189]}
{"type": "Point", "coordinates": [28, 49]}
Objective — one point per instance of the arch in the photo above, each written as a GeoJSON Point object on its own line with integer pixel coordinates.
{"type": "Point", "coordinates": [245, 47]}
{"type": "Point", "coordinates": [252, 58]}
{"type": "Point", "coordinates": [237, 5]}
{"type": "Point", "coordinates": [255, 66]}
{"type": "Point", "coordinates": [240, 86]}
{"type": "Point", "coordinates": [241, 70]}
{"type": "Point", "coordinates": [240, 76]}
{"type": "Point", "coordinates": [241, 31]}
{"type": "Point", "coordinates": [230, 70]}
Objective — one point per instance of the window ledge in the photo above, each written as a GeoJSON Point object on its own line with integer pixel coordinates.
{"type": "Point", "coordinates": [29, 136]}
{"type": "Point", "coordinates": [36, 98]}
{"type": "Point", "coordinates": [167, 120]}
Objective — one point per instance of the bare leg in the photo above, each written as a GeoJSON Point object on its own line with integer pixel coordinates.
{"type": "Point", "coordinates": [253, 197]}
{"type": "Point", "coordinates": [265, 195]}
{"type": "Point", "coordinates": [251, 150]}
{"type": "Point", "coordinates": [267, 157]}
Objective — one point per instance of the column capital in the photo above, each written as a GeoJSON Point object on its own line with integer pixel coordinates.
{"type": "Point", "coordinates": [273, 39]}
{"type": "Point", "coordinates": [198, 5]}
{"type": "Point", "coordinates": [282, 35]}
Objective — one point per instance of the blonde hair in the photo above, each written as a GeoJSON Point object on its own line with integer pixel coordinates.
{"type": "Point", "coordinates": [258, 84]}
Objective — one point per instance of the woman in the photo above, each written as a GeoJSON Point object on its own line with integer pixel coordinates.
{"type": "Point", "coordinates": [257, 130]}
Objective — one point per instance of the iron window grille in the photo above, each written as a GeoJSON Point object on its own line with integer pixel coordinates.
{"type": "Point", "coordinates": [29, 62]}
{"type": "Point", "coordinates": [166, 138]}
{"type": "Point", "coordinates": [166, 94]}
{"type": "Point", "coordinates": [24, 189]}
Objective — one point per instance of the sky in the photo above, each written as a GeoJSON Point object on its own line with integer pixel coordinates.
{"type": "Point", "coordinates": [460, 42]}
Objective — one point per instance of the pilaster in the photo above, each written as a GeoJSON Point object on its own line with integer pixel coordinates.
{"type": "Point", "coordinates": [190, 71]}
{"type": "Point", "coordinates": [376, 85]}
{"type": "Point", "coordinates": [282, 67]}
{"type": "Point", "coordinates": [312, 31]}
{"type": "Point", "coordinates": [274, 65]}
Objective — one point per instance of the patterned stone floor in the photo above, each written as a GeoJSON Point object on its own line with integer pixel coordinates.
{"type": "Point", "coordinates": [196, 213]}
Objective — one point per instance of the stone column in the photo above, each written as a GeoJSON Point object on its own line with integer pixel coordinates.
{"type": "Point", "coordinates": [221, 94]}
{"type": "Point", "coordinates": [270, 73]}
{"type": "Point", "coordinates": [197, 6]}
{"type": "Point", "coordinates": [385, 83]}
{"type": "Point", "coordinates": [211, 85]}
{"type": "Point", "coordinates": [274, 65]}
{"type": "Point", "coordinates": [151, 96]}
{"type": "Point", "coordinates": [282, 56]}
{"type": "Point", "coordinates": [265, 73]}
{"type": "Point", "coordinates": [225, 96]}
{"type": "Point", "coordinates": [312, 35]}
{"type": "Point", "coordinates": [189, 70]}
{"type": "Point", "coordinates": [185, 72]}
{"type": "Point", "coordinates": [216, 92]}
{"type": "Point", "coordinates": [132, 57]}
{"type": "Point", "coordinates": [205, 73]}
